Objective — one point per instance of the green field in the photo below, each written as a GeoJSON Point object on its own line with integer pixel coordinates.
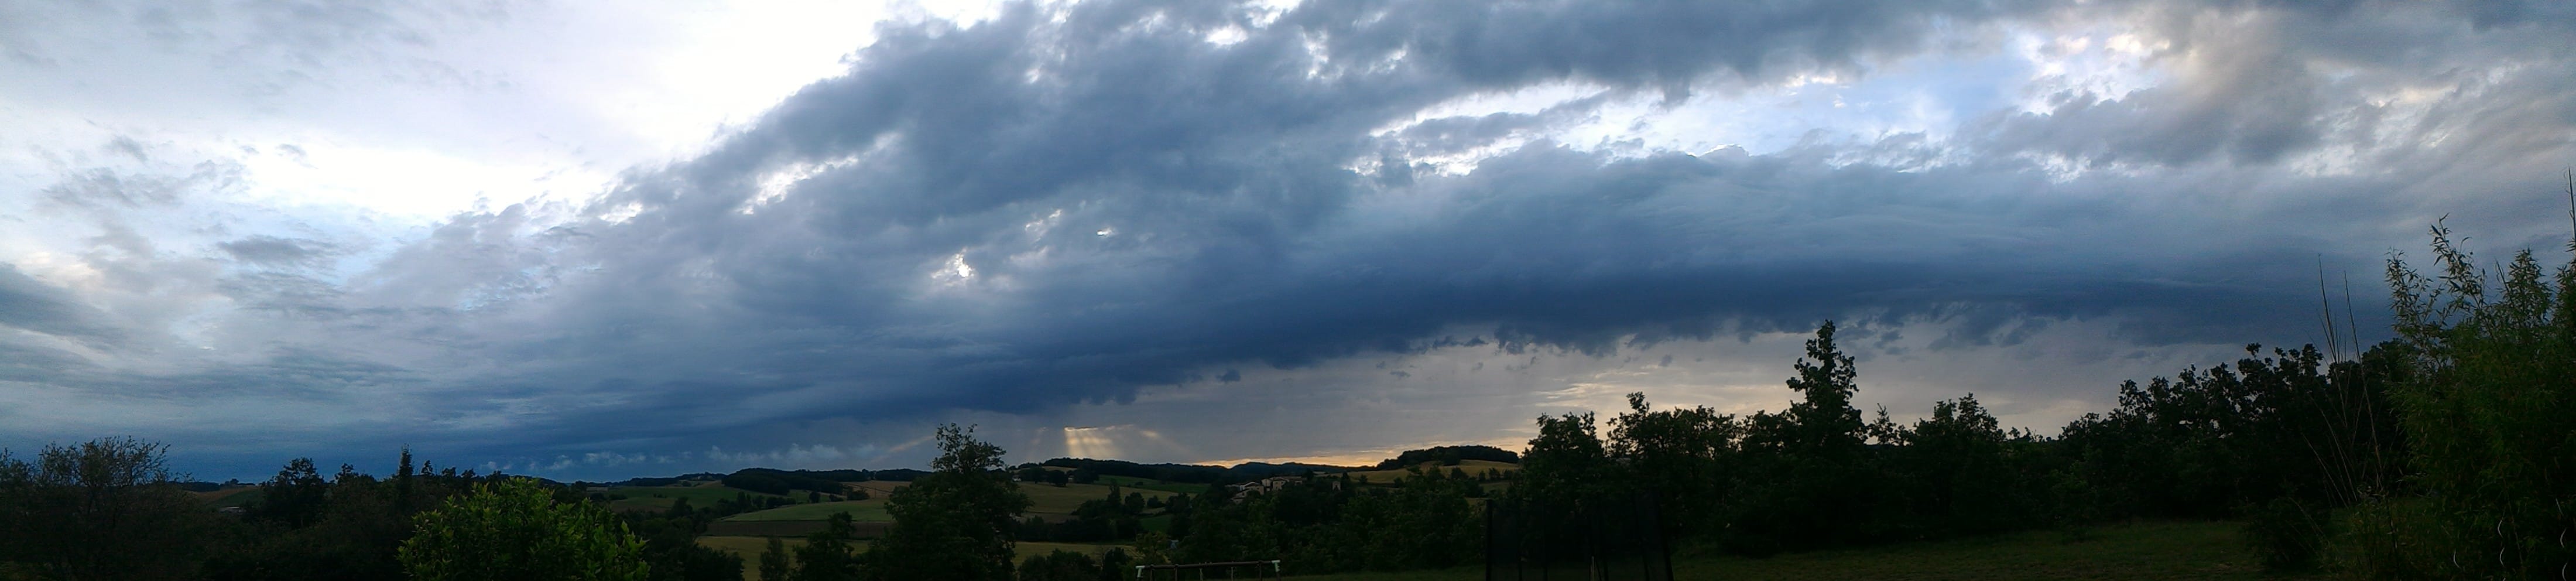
{"type": "Point", "coordinates": [1048, 499]}
{"type": "Point", "coordinates": [1152, 484]}
{"type": "Point", "coordinates": [2136, 552]}
{"type": "Point", "coordinates": [747, 534]}
{"type": "Point", "coordinates": [749, 548]}
{"type": "Point", "coordinates": [1045, 500]}
{"type": "Point", "coordinates": [872, 509]}
{"type": "Point", "coordinates": [661, 497]}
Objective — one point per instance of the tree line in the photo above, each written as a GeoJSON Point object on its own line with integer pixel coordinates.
{"type": "Point", "coordinates": [2443, 453]}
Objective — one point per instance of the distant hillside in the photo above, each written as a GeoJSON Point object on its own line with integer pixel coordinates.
{"type": "Point", "coordinates": [1191, 473]}
{"type": "Point", "coordinates": [669, 480]}
{"type": "Point", "coordinates": [1473, 469]}
{"type": "Point", "coordinates": [1450, 456]}
{"type": "Point", "coordinates": [775, 481]}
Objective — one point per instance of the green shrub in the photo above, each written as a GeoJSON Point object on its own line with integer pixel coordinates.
{"type": "Point", "coordinates": [514, 529]}
{"type": "Point", "coordinates": [2487, 414]}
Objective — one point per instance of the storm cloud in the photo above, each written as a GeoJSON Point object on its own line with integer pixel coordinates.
{"type": "Point", "coordinates": [1064, 206]}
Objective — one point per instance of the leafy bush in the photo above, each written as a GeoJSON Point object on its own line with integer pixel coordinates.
{"type": "Point", "coordinates": [514, 529]}
{"type": "Point", "coordinates": [2487, 416]}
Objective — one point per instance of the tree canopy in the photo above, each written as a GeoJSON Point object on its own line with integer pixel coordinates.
{"type": "Point", "coordinates": [957, 521]}
{"type": "Point", "coordinates": [513, 529]}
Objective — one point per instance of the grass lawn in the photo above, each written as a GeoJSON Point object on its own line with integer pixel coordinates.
{"type": "Point", "coordinates": [2135, 552]}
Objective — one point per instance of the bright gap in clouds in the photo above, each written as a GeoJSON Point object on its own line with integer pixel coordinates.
{"type": "Point", "coordinates": [473, 112]}
{"type": "Point", "coordinates": [1927, 95]}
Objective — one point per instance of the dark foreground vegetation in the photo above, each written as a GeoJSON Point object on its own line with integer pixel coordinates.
{"type": "Point", "coordinates": [2137, 551]}
{"type": "Point", "coordinates": [2446, 453]}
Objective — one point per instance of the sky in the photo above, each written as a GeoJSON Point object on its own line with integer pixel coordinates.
{"type": "Point", "coordinates": [595, 240]}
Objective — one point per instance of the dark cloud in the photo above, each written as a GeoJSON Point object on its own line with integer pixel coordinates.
{"type": "Point", "coordinates": [1036, 211]}
{"type": "Point", "coordinates": [31, 304]}
{"type": "Point", "coordinates": [1136, 203]}
{"type": "Point", "coordinates": [1667, 46]}
{"type": "Point", "coordinates": [1070, 204]}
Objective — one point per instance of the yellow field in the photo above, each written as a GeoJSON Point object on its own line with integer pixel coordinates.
{"type": "Point", "coordinates": [876, 488]}
{"type": "Point", "coordinates": [236, 496]}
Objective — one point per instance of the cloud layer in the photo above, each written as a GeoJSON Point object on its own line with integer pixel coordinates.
{"type": "Point", "coordinates": [1064, 207]}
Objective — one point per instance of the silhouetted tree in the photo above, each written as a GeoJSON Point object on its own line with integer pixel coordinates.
{"type": "Point", "coordinates": [775, 563]}
{"type": "Point", "coordinates": [955, 522]}
{"type": "Point", "coordinates": [827, 554]}
{"type": "Point", "coordinates": [100, 510]}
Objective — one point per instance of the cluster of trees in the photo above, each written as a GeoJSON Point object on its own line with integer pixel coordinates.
{"type": "Point", "coordinates": [1334, 523]}
{"type": "Point", "coordinates": [1063, 565]}
{"type": "Point", "coordinates": [516, 529]}
{"type": "Point", "coordinates": [109, 509]}
{"type": "Point", "coordinates": [1058, 478]}
{"type": "Point", "coordinates": [1091, 469]}
{"type": "Point", "coordinates": [1449, 456]}
{"type": "Point", "coordinates": [2440, 454]}
{"type": "Point", "coordinates": [104, 509]}
{"type": "Point", "coordinates": [954, 522]}
{"type": "Point", "coordinates": [2281, 429]}
{"type": "Point", "coordinates": [782, 482]}
{"type": "Point", "coordinates": [1117, 517]}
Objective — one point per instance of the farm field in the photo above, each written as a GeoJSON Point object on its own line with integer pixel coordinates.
{"type": "Point", "coordinates": [872, 509]}
{"type": "Point", "coordinates": [1151, 484]}
{"type": "Point", "coordinates": [749, 549]}
{"type": "Point", "coordinates": [661, 497]}
{"type": "Point", "coordinates": [2156, 551]}
{"type": "Point", "coordinates": [1045, 500]}
{"type": "Point", "coordinates": [1051, 500]}
{"type": "Point", "coordinates": [229, 497]}
{"type": "Point", "coordinates": [875, 488]}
